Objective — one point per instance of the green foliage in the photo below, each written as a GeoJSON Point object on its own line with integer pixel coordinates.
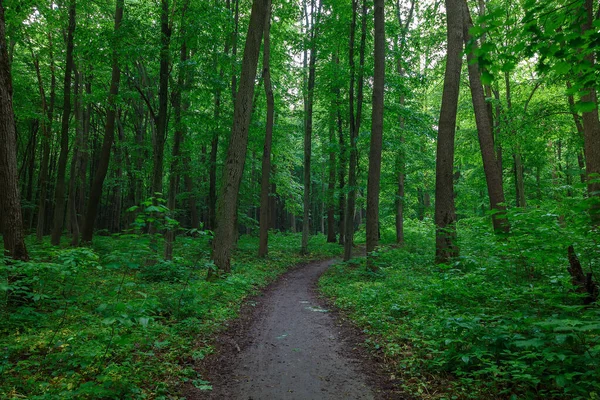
{"type": "Point", "coordinates": [114, 321]}
{"type": "Point", "coordinates": [502, 320]}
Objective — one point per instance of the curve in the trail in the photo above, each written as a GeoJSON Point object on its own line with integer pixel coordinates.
{"type": "Point", "coordinates": [295, 350]}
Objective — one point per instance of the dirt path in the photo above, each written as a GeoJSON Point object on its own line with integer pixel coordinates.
{"type": "Point", "coordinates": [290, 347]}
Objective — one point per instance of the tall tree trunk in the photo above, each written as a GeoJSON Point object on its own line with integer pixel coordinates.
{"type": "Point", "coordinates": [580, 131]}
{"type": "Point", "coordinates": [591, 127]}
{"type": "Point", "coordinates": [331, 182]}
{"type": "Point", "coordinates": [160, 120]}
{"type": "Point", "coordinates": [493, 174]}
{"type": "Point", "coordinates": [343, 161]}
{"type": "Point", "coordinates": [355, 121]}
{"type": "Point", "coordinates": [374, 176]}
{"type": "Point", "coordinates": [11, 222]}
{"type": "Point", "coordinates": [48, 113]}
{"type": "Point", "coordinates": [401, 157]}
{"type": "Point", "coordinates": [445, 212]}
{"type": "Point", "coordinates": [59, 192]}
{"type": "Point", "coordinates": [236, 153]}
{"type": "Point", "coordinates": [518, 164]}
{"type": "Point", "coordinates": [266, 158]}
{"type": "Point", "coordinates": [109, 134]}
{"type": "Point", "coordinates": [178, 139]}
{"type": "Point", "coordinates": [308, 124]}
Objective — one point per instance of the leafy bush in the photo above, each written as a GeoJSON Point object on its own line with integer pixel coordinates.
{"type": "Point", "coordinates": [502, 321]}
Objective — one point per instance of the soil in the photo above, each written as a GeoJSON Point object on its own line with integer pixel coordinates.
{"type": "Point", "coordinates": [290, 344]}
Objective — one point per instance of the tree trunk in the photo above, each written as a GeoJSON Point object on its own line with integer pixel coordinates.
{"type": "Point", "coordinates": [109, 135]}
{"type": "Point", "coordinates": [59, 192]}
{"type": "Point", "coordinates": [491, 168]}
{"type": "Point", "coordinates": [236, 153]}
{"type": "Point", "coordinates": [374, 176]}
{"type": "Point", "coordinates": [177, 141]}
{"type": "Point", "coordinates": [445, 212]}
{"type": "Point", "coordinates": [308, 125]}
{"type": "Point", "coordinates": [591, 127]}
{"type": "Point", "coordinates": [11, 222]}
{"type": "Point", "coordinates": [355, 121]}
{"type": "Point", "coordinates": [266, 159]}
{"type": "Point", "coordinates": [580, 131]}
{"type": "Point", "coordinates": [160, 120]}
{"type": "Point", "coordinates": [331, 183]}
{"type": "Point", "coordinates": [343, 161]}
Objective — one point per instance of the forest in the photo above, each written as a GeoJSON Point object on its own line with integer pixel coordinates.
{"type": "Point", "coordinates": [163, 161]}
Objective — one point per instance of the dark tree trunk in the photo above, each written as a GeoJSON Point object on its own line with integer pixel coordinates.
{"type": "Point", "coordinates": [401, 157]}
{"type": "Point", "coordinates": [109, 135]}
{"type": "Point", "coordinates": [59, 191]}
{"type": "Point", "coordinates": [160, 120]}
{"type": "Point", "coordinates": [591, 127]}
{"type": "Point", "coordinates": [355, 120]}
{"type": "Point", "coordinates": [445, 213]}
{"type": "Point", "coordinates": [580, 131]}
{"type": "Point", "coordinates": [343, 161]}
{"type": "Point", "coordinates": [236, 153]}
{"type": "Point", "coordinates": [374, 176]}
{"type": "Point", "coordinates": [266, 158]}
{"type": "Point", "coordinates": [11, 223]}
{"type": "Point", "coordinates": [331, 183]}
{"type": "Point", "coordinates": [308, 125]}
{"type": "Point", "coordinates": [174, 176]}
{"type": "Point", "coordinates": [493, 174]}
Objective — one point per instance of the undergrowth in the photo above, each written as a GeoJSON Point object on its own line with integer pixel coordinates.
{"type": "Point", "coordinates": [116, 321]}
{"type": "Point", "coordinates": [503, 321]}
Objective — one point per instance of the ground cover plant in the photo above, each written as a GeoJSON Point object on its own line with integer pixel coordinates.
{"type": "Point", "coordinates": [115, 321]}
{"type": "Point", "coordinates": [504, 321]}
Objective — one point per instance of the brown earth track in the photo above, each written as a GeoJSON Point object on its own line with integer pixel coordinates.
{"type": "Point", "coordinates": [289, 344]}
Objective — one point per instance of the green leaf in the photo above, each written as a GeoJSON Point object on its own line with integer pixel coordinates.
{"type": "Point", "coordinates": [585, 106]}
{"type": "Point", "coordinates": [486, 78]}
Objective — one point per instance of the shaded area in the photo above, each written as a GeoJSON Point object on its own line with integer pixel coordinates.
{"type": "Point", "coordinates": [293, 348]}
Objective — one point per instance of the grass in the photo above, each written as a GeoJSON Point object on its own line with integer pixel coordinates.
{"type": "Point", "coordinates": [502, 321]}
{"type": "Point", "coordinates": [115, 321]}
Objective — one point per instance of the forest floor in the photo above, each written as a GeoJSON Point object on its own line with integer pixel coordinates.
{"type": "Point", "coordinates": [290, 344]}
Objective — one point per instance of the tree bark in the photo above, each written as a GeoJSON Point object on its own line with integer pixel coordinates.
{"type": "Point", "coordinates": [591, 127]}
{"type": "Point", "coordinates": [331, 182]}
{"type": "Point", "coordinates": [11, 222]}
{"type": "Point", "coordinates": [308, 125]}
{"type": "Point", "coordinates": [160, 120]}
{"type": "Point", "coordinates": [59, 192]}
{"type": "Point", "coordinates": [236, 153]}
{"type": "Point", "coordinates": [266, 158]}
{"type": "Point", "coordinates": [374, 176]}
{"type": "Point", "coordinates": [174, 176]}
{"type": "Point", "coordinates": [109, 134]}
{"type": "Point", "coordinates": [355, 121]}
{"type": "Point", "coordinates": [485, 134]}
{"type": "Point", "coordinates": [445, 212]}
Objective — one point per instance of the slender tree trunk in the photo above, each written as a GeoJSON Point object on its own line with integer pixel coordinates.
{"type": "Point", "coordinates": [491, 168]}
{"type": "Point", "coordinates": [331, 183]}
{"type": "Point", "coordinates": [580, 131]}
{"type": "Point", "coordinates": [266, 158]}
{"type": "Point", "coordinates": [308, 125]}
{"type": "Point", "coordinates": [374, 176]}
{"type": "Point", "coordinates": [109, 134]}
{"type": "Point", "coordinates": [11, 222]}
{"type": "Point", "coordinates": [445, 214]}
{"type": "Point", "coordinates": [48, 113]}
{"type": "Point", "coordinates": [355, 121]}
{"type": "Point", "coordinates": [174, 176]}
{"type": "Point", "coordinates": [59, 192]}
{"type": "Point", "coordinates": [163, 99]}
{"type": "Point", "coordinates": [518, 164]}
{"type": "Point", "coordinates": [236, 153]}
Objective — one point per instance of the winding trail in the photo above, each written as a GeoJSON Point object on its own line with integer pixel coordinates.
{"type": "Point", "coordinates": [291, 349]}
